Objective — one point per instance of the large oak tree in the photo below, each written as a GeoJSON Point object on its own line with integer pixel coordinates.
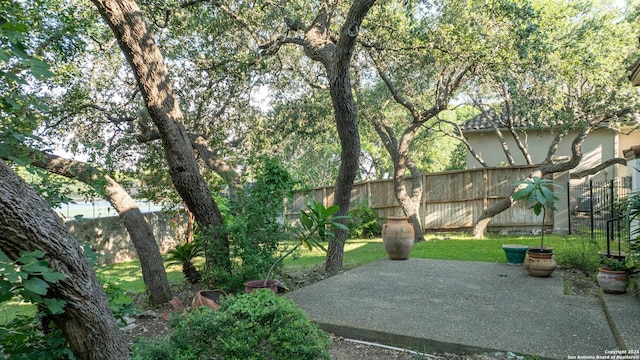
{"type": "Point", "coordinates": [127, 22]}
{"type": "Point", "coordinates": [27, 223]}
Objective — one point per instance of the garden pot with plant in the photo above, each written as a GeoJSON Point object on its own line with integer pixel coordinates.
{"type": "Point", "coordinates": [613, 275]}
{"type": "Point", "coordinates": [313, 230]}
{"type": "Point", "coordinates": [539, 196]}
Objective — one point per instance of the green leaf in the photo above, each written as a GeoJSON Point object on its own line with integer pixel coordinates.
{"type": "Point", "coordinates": [52, 277]}
{"type": "Point", "coordinates": [36, 286]}
{"type": "Point", "coordinates": [14, 276]}
{"type": "Point", "coordinates": [54, 306]}
{"type": "Point", "coordinates": [306, 220]}
{"type": "Point", "coordinates": [36, 268]}
{"type": "Point", "coordinates": [28, 257]}
{"type": "Point", "coordinates": [4, 258]}
{"type": "Point", "coordinates": [341, 226]}
{"type": "Point", "coordinates": [331, 210]}
{"type": "Point", "coordinates": [6, 297]}
{"type": "Point", "coordinates": [321, 247]}
{"type": "Point", "coordinates": [5, 287]}
{"type": "Point", "coordinates": [537, 209]}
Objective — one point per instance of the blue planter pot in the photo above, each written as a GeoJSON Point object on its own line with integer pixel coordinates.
{"type": "Point", "coordinates": [515, 253]}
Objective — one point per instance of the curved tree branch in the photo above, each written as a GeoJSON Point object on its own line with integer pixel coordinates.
{"type": "Point", "coordinates": [153, 273]}
{"type": "Point", "coordinates": [598, 168]}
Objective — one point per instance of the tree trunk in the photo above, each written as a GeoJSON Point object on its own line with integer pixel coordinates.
{"type": "Point", "coordinates": [398, 150]}
{"type": "Point", "coordinates": [125, 19]}
{"type": "Point", "coordinates": [488, 214]}
{"type": "Point", "coordinates": [27, 224]}
{"type": "Point", "coordinates": [347, 124]}
{"type": "Point", "coordinates": [153, 272]}
{"type": "Point", "coordinates": [410, 204]}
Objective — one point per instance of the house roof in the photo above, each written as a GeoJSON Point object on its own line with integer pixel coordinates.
{"type": "Point", "coordinates": [490, 120]}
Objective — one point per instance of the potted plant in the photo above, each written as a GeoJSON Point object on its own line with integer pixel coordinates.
{"type": "Point", "coordinates": [613, 275]}
{"type": "Point", "coordinates": [314, 229]}
{"type": "Point", "coordinates": [539, 196]}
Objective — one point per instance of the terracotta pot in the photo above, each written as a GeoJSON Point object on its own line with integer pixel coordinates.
{"type": "Point", "coordinates": [207, 298]}
{"type": "Point", "coordinates": [540, 263]}
{"type": "Point", "coordinates": [398, 237]}
{"type": "Point", "coordinates": [612, 282]}
{"type": "Point", "coordinates": [251, 286]}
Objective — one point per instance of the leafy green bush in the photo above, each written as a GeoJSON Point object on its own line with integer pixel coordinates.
{"type": "Point", "coordinates": [28, 338]}
{"type": "Point", "coordinates": [260, 325]}
{"type": "Point", "coordinates": [581, 254]}
{"type": "Point", "coordinates": [37, 337]}
{"type": "Point", "coordinates": [314, 229]}
{"type": "Point", "coordinates": [364, 223]}
{"type": "Point", "coordinates": [183, 255]}
{"type": "Point", "coordinates": [253, 225]}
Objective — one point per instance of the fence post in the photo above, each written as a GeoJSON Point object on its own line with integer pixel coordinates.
{"type": "Point", "coordinates": [591, 219]}
{"type": "Point", "coordinates": [485, 189]}
{"type": "Point", "coordinates": [569, 205]}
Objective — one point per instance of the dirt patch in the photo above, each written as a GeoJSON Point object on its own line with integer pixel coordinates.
{"type": "Point", "coordinates": [579, 283]}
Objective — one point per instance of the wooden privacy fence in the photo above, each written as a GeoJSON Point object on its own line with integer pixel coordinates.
{"type": "Point", "coordinates": [451, 200]}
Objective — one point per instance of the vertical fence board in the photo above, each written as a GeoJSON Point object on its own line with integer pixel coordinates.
{"type": "Point", "coordinates": [451, 200]}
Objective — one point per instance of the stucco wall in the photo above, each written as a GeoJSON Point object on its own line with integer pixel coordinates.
{"type": "Point", "coordinates": [600, 145]}
{"type": "Point", "coordinates": [110, 238]}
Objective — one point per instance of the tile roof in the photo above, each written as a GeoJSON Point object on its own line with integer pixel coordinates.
{"type": "Point", "coordinates": [490, 119]}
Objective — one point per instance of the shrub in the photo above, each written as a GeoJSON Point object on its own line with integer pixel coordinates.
{"type": "Point", "coordinates": [31, 337]}
{"type": "Point", "coordinates": [364, 223]}
{"type": "Point", "coordinates": [260, 325]}
{"type": "Point", "coordinates": [581, 255]}
{"type": "Point", "coordinates": [183, 255]}
{"type": "Point", "coordinates": [253, 226]}
{"type": "Point", "coordinates": [28, 337]}
{"type": "Point", "coordinates": [37, 337]}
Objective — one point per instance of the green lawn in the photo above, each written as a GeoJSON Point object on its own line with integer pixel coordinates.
{"type": "Point", "coordinates": [446, 247]}
{"type": "Point", "coordinates": [128, 275]}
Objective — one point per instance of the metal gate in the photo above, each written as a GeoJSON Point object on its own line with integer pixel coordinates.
{"type": "Point", "coordinates": [597, 209]}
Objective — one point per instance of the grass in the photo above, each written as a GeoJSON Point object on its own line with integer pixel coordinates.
{"type": "Point", "coordinates": [570, 251]}
{"type": "Point", "coordinates": [14, 308]}
{"type": "Point", "coordinates": [446, 247]}
{"type": "Point", "coordinates": [128, 275]}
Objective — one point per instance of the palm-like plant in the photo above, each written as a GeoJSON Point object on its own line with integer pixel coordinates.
{"type": "Point", "coordinates": [183, 254]}
{"type": "Point", "coordinates": [315, 228]}
{"type": "Point", "coordinates": [539, 196]}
